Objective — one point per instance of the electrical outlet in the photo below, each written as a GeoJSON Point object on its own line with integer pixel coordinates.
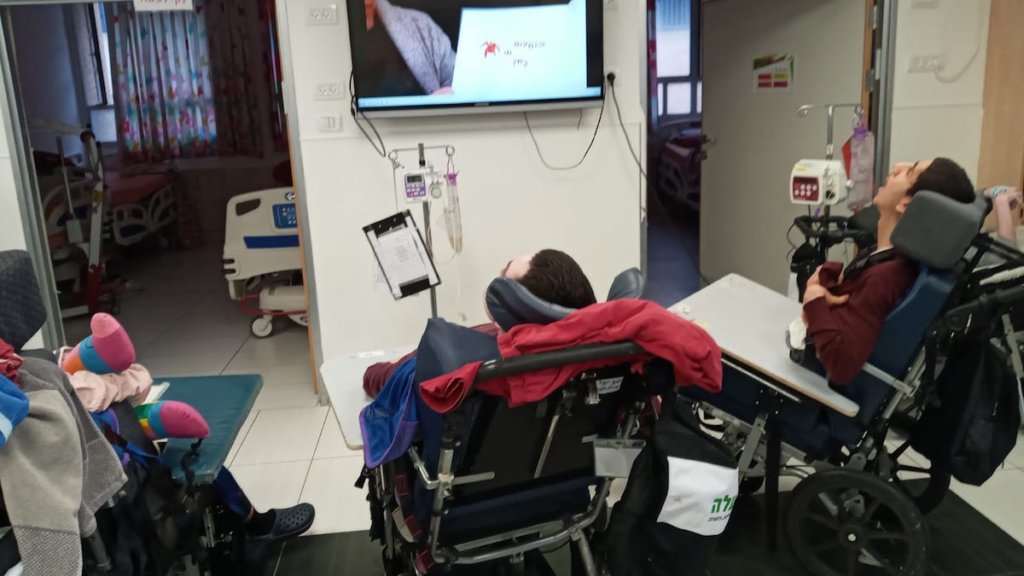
{"type": "Point", "coordinates": [329, 123]}
{"type": "Point", "coordinates": [926, 63]}
{"type": "Point", "coordinates": [322, 15]}
{"type": "Point", "coordinates": [329, 91]}
{"type": "Point", "coordinates": [611, 5]}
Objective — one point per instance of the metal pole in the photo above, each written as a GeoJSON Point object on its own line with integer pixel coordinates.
{"type": "Point", "coordinates": [430, 252]}
{"type": "Point", "coordinates": [886, 61]}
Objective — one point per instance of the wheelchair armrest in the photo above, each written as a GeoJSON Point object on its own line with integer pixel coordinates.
{"type": "Point", "coordinates": [520, 365]}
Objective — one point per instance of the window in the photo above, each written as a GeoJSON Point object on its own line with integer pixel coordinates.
{"type": "Point", "coordinates": [94, 54]}
{"type": "Point", "coordinates": [677, 37]}
{"type": "Point", "coordinates": [93, 49]}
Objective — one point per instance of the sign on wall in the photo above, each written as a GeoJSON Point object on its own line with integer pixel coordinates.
{"type": "Point", "coordinates": [163, 5]}
{"type": "Point", "coordinates": [773, 72]}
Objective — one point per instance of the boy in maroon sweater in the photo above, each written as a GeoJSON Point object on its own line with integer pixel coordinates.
{"type": "Point", "coordinates": [551, 275]}
{"type": "Point", "coordinates": [844, 310]}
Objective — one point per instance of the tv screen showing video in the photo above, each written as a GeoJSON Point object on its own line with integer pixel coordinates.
{"type": "Point", "coordinates": [415, 57]}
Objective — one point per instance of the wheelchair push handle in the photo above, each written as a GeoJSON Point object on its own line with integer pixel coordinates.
{"type": "Point", "coordinates": [983, 309]}
{"type": "Point", "coordinates": [495, 369]}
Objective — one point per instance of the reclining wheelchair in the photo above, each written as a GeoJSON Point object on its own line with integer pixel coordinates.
{"type": "Point", "coordinates": [487, 488]}
{"type": "Point", "coordinates": [858, 507]}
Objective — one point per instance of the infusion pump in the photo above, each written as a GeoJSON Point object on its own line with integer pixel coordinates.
{"type": "Point", "coordinates": [818, 182]}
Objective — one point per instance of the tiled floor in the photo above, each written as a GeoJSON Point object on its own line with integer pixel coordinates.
{"type": "Point", "coordinates": [290, 449]}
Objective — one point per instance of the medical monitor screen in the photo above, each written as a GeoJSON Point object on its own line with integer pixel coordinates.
{"type": "Point", "coordinates": [414, 57]}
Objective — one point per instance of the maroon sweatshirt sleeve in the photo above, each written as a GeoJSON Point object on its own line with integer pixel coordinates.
{"type": "Point", "coordinates": [376, 376]}
{"type": "Point", "coordinates": [845, 335]}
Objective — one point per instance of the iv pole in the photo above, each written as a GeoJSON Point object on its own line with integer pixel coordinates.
{"type": "Point", "coordinates": [825, 239]}
{"type": "Point", "coordinates": [420, 150]}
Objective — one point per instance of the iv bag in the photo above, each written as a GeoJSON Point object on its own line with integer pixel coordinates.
{"type": "Point", "coordinates": [862, 169]}
{"type": "Point", "coordinates": [452, 213]}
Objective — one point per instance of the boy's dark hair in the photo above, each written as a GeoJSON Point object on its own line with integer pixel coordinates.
{"type": "Point", "coordinates": [555, 277]}
{"type": "Point", "coordinates": [945, 177]}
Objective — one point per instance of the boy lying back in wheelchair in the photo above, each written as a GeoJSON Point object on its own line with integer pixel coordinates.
{"type": "Point", "coordinates": [844, 310]}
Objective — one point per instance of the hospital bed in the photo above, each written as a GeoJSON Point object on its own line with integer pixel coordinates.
{"type": "Point", "coordinates": [141, 204]}
{"type": "Point", "coordinates": [262, 261]}
{"type": "Point", "coordinates": [852, 511]}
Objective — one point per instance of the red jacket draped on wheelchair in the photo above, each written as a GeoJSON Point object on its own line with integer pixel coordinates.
{"type": "Point", "coordinates": [514, 467]}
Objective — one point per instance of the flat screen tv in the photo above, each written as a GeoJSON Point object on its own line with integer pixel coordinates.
{"type": "Point", "coordinates": [428, 57]}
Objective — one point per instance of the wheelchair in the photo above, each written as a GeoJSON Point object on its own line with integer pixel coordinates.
{"type": "Point", "coordinates": [168, 517]}
{"type": "Point", "coordinates": [858, 506]}
{"type": "Point", "coordinates": [487, 488]}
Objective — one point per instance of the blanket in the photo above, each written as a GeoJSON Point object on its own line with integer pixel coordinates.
{"type": "Point", "coordinates": [55, 472]}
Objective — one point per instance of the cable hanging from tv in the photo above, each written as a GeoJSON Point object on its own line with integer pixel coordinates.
{"type": "Point", "coordinates": [382, 150]}
{"type": "Point", "coordinates": [586, 153]}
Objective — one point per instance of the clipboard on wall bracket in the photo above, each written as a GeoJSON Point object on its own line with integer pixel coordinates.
{"type": "Point", "coordinates": [402, 255]}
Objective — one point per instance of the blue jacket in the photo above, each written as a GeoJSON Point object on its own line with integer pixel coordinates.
{"type": "Point", "coordinates": [389, 423]}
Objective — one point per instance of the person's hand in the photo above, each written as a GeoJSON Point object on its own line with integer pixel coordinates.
{"type": "Point", "coordinates": [443, 91]}
{"type": "Point", "coordinates": [815, 279]}
{"type": "Point", "coordinates": [817, 291]}
{"type": "Point", "coordinates": [1011, 197]}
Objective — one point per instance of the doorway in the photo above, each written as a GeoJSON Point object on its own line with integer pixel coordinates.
{"type": "Point", "coordinates": [140, 129]}
{"type": "Point", "coordinates": [675, 149]}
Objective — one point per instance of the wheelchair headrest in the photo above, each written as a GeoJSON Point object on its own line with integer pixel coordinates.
{"type": "Point", "coordinates": [22, 313]}
{"type": "Point", "coordinates": [936, 230]}
{"type": "Point", "coordinates": [511, 304]}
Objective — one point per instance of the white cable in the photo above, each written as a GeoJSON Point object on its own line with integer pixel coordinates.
{"type": "Point", "coordinates": [586, 152]}
{"type": "Point", "coordinates": [949, 79]}
{"type": "Point", "coordinates": [629, 143]}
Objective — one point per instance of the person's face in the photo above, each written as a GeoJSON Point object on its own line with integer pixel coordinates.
{"type": "Point", "coordinates": [371, 11]}
{"type": "Point", "coordinates": [893, 196]}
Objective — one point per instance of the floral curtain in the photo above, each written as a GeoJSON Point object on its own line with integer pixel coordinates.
{"type": "Point", "coordinates": [163, 92]}
{"type": "Point", "coordinates": [246, 75]}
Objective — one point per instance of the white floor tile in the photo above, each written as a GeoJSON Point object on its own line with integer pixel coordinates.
{"type": "Point", "coordinates": [340, 506]}
{"type": "Point", "coordinates": [179, 345]}
{"type": "Point", "coordinates": [240, 439]}
{"type": "Point", "coordinates": [332, 443]}
{"type": "Point", "coordinates": [290, 347]}
{"type": "Point", "coordinates": [282, 436]}
{"type": "Point", "coordinates": [998, 500]}
{"type": "Point", "coordinates": [272, 485]}
{"type": "Point", "coordinates": [199, 364]}
{"type": "Point", "coordinates": [284, 397]}
{"type": "Point", "coordinates": [1016, 456]}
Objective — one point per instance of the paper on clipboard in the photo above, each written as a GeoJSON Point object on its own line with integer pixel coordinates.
{"type": "Point", "coordinates": [402, 258]}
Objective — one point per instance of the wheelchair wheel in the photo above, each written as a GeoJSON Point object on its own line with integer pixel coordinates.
{"type": "Point", "coordinates": [851, 523]}
{"type": "Point", "coordinates": [926, 485]}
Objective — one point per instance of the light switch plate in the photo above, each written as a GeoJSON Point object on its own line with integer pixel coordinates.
{"type": "Point", "coordinates": [329, 123]}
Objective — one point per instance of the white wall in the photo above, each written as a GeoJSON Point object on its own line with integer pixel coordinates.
{"type": "Point", "coordinates": [12, 233]}
{"type": "Point", "coordinates": [745, 209]}
{"type": "Point", "coordinates": [932, 117]}
{"type": "Point", "coordinates": [510, 202]}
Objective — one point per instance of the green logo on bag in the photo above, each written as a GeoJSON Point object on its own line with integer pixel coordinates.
{"type": "Point", "coordinates": [723, 504]}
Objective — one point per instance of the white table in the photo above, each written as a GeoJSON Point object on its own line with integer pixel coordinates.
{"type": "Point", "coordinates": [749, 323]}
{"type": "Point", "coordinates": [343, 378]}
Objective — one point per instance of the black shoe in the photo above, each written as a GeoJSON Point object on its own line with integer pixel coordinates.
{"type": "Point", "coordinates": [288, 523]}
